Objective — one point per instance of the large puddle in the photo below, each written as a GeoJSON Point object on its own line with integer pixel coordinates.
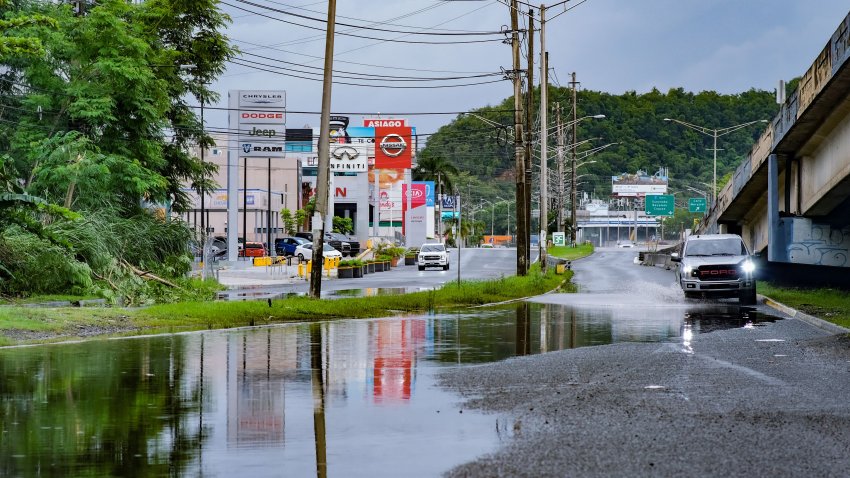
{"type": "Point", "coordinates": [342, 398]}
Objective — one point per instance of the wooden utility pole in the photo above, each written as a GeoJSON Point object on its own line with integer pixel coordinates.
{"type": "Point", "coordinates": [544, 139]}
{"type": "Point", "coordinates": [573, 184]}
{"type": "Point", "coordinates": [529, 111]}
{"type": "Point", "coordinates": [323, 180]}
{"type": "Point", "coordinates": [522, 238]}
{"type": "Point", "coordinates": [559, 130]}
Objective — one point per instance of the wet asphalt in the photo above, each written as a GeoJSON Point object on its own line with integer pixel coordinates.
{"type": "Point", "coordinates": [767, 400]}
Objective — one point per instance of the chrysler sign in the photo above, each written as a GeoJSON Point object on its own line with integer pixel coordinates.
{"type": "Point", "coordinates": [260, 118]}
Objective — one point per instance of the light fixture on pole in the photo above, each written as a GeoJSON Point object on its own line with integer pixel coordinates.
{"type": "Point", "coordinates": [714, 133]}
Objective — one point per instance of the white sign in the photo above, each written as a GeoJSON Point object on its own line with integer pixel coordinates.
{"type": "Point", "coordinates": [559, 239]}
{"type": "Point", "coordinates": [352, 158]}
{"type": "Point", "coordinates": [263, 99]}
{"type": "Point", "coordinates": [277, 117]}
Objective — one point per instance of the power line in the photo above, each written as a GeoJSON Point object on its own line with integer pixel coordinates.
{"type": "Point", "coordinates": [396, 40]}
{"type": "Point", "coordinates": [360, 27]}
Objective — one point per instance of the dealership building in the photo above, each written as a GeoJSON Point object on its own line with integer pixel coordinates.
{"type": "Point", "coordinates": [264, 167]}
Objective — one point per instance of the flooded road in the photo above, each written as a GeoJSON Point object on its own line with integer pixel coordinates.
{"type": "Point", "coordinates": [342, 398]}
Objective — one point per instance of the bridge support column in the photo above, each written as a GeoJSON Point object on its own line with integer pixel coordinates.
{"type": "Point", "coordinates": [776, 251]}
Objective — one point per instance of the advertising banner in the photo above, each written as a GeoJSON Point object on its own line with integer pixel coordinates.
{"type": "Point", "coordinates": [299, 140]}
{"type": "Point", "coordinates": [638, 185]}
{"type": "Point", "coordinates": [393, 148]}
{"type": "Point", "coordinates": [348, 157]}
{"type": "Point", "coordinates": [385, 122]}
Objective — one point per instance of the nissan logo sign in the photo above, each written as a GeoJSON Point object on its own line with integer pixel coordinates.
{"type": "Point", "coordinates": [393, 145]}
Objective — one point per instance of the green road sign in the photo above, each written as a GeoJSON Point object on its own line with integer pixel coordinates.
{"type": "Point", "coordinates": [559, 239]}
{"type": "Point", "coordinates": [697, 205]}
{"type": "Point", "coordinates": [659, 205]}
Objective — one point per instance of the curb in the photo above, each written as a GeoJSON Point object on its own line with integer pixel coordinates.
{"type": "Point", "coordinates": [796, 314]}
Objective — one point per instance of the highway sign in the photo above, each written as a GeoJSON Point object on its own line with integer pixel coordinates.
{"type": "Point", "coordinates": [559, 239]}
{"type": "Point", "coordinates": [659, 205]}
{"type": "Point", "coordinates": [697, 205]}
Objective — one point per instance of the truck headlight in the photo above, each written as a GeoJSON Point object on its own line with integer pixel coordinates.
{"type": "Point", "coordinates": [748, 267]}
{"type": "Point", "coordinates": [687, 270]}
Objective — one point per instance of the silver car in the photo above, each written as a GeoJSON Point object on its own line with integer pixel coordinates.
{"type": "Point", "coordinates": [716, 265]}
{"type": "Point", "coordinates": [433, 255]}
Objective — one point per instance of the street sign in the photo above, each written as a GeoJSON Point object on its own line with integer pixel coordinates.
{"type": "Point", "coordinates": [697, 205]}
{"type": "Point", "coordinates": [559, 239]}
{"type": "Point", "coordinates": [659, 205]}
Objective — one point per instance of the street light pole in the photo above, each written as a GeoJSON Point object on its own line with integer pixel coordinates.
{"type": "Point", "coordinates": [714, 133]}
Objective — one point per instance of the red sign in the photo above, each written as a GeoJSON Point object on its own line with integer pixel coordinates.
{"type": "Point", "coordinates": [393, 148]}
{"type": "Point", "coordinates": [384, 122]}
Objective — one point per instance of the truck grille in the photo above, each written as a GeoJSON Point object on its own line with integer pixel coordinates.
{"type": "Point", "coordinates": [717, 272]}
{"type": "Point", "coordinates": [431, 258]}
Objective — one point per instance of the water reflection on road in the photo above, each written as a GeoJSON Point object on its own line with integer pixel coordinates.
{"type": "Point", "coordinates": [342, 398]}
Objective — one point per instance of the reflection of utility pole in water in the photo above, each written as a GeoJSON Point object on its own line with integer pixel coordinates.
{"type": "Point", "coordinates": [544, 328]}
{"type": "Point", "coordinates": [318, 399]}
{"type": "Point", "coordinates": [573, 328]}
{"type": "Point", "coordinates": [523, 329]}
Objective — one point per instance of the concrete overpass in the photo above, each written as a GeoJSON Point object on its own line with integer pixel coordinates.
{"type": "Point", "coordinates": [791, 196]}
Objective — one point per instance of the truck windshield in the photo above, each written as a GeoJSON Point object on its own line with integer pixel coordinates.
{"type": "Point", "coordinates": [716, 247]}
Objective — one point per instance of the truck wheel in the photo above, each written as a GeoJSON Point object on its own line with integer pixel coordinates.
{"type": "Point", "coordinates": [421, 268]}
{"type": "Point", "coordinates": [446, 267]}
{"type": "Point", "coordinates": [691, 295]}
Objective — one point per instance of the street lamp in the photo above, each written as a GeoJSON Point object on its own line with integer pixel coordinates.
{"type": "Point", "coordinates": [492, 214]}
{"type": "Point", "coordinates": [715, 133]}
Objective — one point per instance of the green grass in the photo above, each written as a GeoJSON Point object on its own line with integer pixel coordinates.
{"type": "Point", "coordinates": [37, 299]}
{"type": "Point", "coordinates": [571, 253]}
{"type": "Point", "coordinates": [832, 305]}
{"type": "Point", "coordinates": [185, 316]}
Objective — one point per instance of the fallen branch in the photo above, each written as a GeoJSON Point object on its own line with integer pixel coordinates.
{"type": "Point", "coordinates": [146, 275]}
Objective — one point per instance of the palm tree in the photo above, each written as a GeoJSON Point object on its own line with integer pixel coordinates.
{"type": "Point", "coordinates": [437, 169]}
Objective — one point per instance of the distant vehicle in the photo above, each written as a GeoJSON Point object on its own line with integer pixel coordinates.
{"type": "Point", "coordinates": [716, 265]}
{"type": "Point", "coordinates": [253, 249]}
{"type": "Point", "coordinates": [433, 255]}
{"type": "Point", "coordinates": [305, 252]}
{"type": "Point", "coordinates": [285, 246]}
{"type": "Point", "coordinates": [486, 245]}
{"type": "Point", "coordinates": [626, 244]}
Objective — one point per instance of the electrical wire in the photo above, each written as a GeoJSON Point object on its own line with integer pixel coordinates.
{"type": "Point", "coordinates": [360, 27]}
{"type": "Point", "coordinates": [360, 76]}
{"type": "Point", "coordinates": [235, 62]}
{"type": "Point", "coordinates": [396, 40]}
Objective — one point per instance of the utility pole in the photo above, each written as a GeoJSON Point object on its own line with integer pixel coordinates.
{"type": "Point", "coordinates": [544, 139]}
{"type": "Point", "coordinates": [323, 180]}
{"type": "Point", "coordinates": [573, 185]}
{"type": "Point", "coordinates": [529, 111]}
{"type": "Point", "coordinates": [522, 238]}
{"type": "Point", "coordinates": [560, 132]}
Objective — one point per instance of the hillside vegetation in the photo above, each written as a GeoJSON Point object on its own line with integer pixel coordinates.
{"type": "Point", "coordinates": [482, 152]}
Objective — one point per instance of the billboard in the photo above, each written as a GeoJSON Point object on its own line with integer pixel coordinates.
{"type": "Point", "coordinates": [638, 185]}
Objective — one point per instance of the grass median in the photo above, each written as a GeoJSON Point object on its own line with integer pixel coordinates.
{"type": "Point", "coordinates": [571, 253]}
{"type": "Point", "coordinates": [20, 325]}
{"type": "Point", "coordinates": [832, 305]}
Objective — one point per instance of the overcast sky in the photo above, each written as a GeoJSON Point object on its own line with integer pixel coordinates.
{"type": "Point", "coordinates": [728, 46]}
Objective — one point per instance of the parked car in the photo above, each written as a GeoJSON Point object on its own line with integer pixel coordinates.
{"type": "Point", "coordinates": [338, 241]}
{"type": "Point", "coordinates": [305, 252]}
{"type": "Point", "coordinates": [253, 249]}
{"type": "Point", "coordinates": [285, 246]}
{"type": "Point", "coordinates": [716, 265]}
{"type": "Point", "coordinates": [433, 255]}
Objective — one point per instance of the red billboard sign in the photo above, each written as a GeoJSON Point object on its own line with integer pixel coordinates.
{"type": "Point", "coordinates": [393, 148]}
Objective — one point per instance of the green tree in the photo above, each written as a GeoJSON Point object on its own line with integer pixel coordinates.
{"type": "Point", "coordinates": [288, 219]}
{"type": "Point", "coordinates": [343, 225]}
{"type": "Point", "coordinates": [435, 168]}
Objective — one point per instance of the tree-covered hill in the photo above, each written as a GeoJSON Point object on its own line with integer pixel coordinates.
{"type": "Point", "coordinates": [634, 121]}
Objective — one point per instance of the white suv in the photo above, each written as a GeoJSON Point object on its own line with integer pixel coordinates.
{"type": "Point", "coordinates": [433, 255]}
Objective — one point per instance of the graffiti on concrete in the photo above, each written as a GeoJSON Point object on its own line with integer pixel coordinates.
{"type": "Point", "coordinates": [819, 244]}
